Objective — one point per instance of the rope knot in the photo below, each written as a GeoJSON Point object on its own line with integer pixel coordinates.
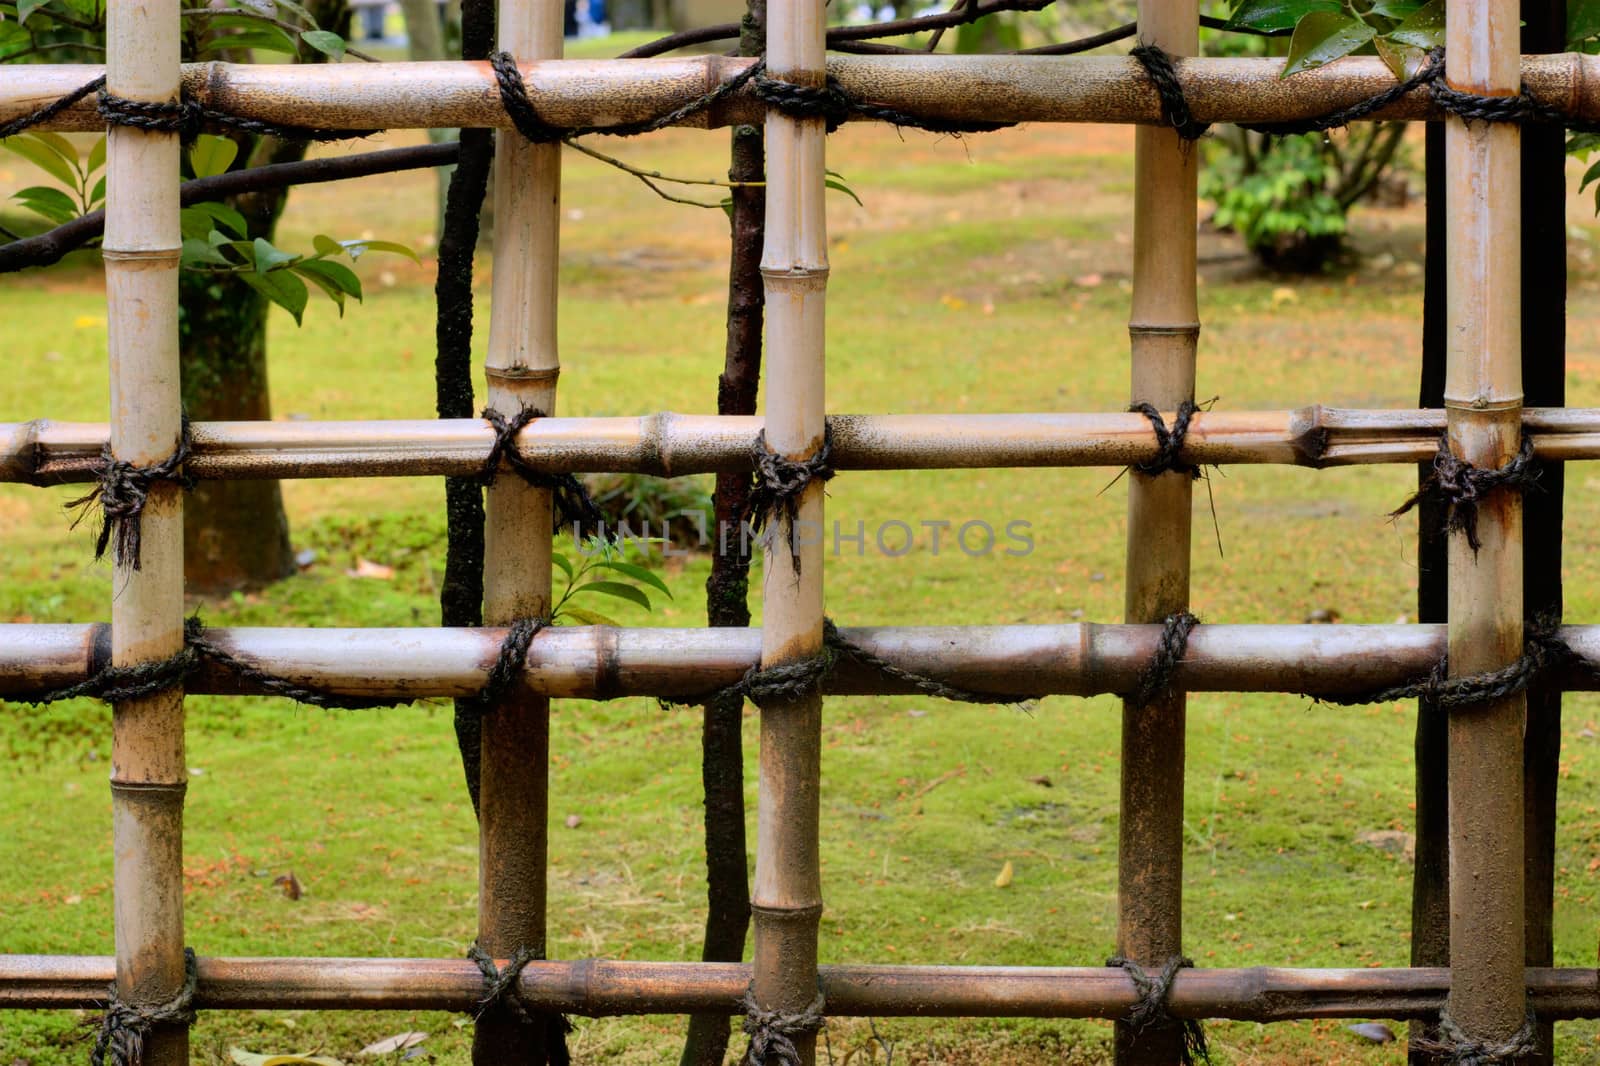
{"type": "Point", "coordinates": [1455, 1047]}
{"type": "Point", "coordinates": [1151, 1008]}
{"type": "Point", "coordinates": [1155, 680]}
{"type": "Point", "coordinates": [1169, 442]}
{"type": "Point", "coordinates": [502, 998]}
{"type": "Point", "coordinates": [828, 101]}
{"type": "Point", "coordinates": [772, 1032]}
{"type": "Point", "coordinates": [121, 492]}
{"type": "Point", "coordinates": [1163, 74]}
{"type": "Point", "coordinates": [123, 1027]}
{"type": "Point", "coordinates": [1460, 486]}
{"type": "Point", "coordinates": [574, 506]}
{"type": "Point", "coordinates": [780, 482]}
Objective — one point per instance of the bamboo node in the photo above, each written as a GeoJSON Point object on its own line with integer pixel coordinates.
{"type": "Point", "coordinates": [123, 1027]}
{"type": "Point", "coordinates": [1460, 486]}
{"type": "Point", "coordinates": [772, 1032]}
{"type": "Point", "coordinates": [1151, 1008]}
{"type": "Point", "coordinates": [501, 996]}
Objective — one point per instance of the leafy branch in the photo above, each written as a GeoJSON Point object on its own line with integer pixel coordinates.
{"type": "Point", "coordinates": [600, 564]}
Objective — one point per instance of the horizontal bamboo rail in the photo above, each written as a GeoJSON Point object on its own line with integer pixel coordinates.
{"type": "Point", "coordinates": [45, 452]}
{"type": "Point", "coordinates": [973, 88]}
{"type": "Point", "coordinates": [597, 662]}
{"type": "Point", "coordinates": [602, 987]}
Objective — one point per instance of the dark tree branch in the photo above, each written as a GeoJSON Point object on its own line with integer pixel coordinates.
{"type": "Point", "coordinates": [48, 247]}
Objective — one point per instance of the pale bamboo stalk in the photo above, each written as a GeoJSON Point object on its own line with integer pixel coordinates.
{"type": "Point", "coordinates": [786, 897]}
{"type": "Point", "coordinates": [583, 662]}
{"type": "Point", "coordinates": [45, 452]}
{"type": "Point", "coordinates": [522, 366]}
{"type": "Point", "coordinates": [610, 987]}
{"type": "Point", "coordinates": [1164, 331]}
{"type": "Point", "coordinates": [1483, 402]}
{"type": "Point", "coordinates": [986, 88]}
{"type": "Point", "coordinates": [148, 773]}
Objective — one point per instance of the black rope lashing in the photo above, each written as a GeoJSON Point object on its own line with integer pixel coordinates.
{"type": "Point", "coordinates": [928, 686]}
{"type": "Point", "coordinates": [50, 110]}
{"type": "Point", "coordinates": [772, 1032]}
{"type": "Point", "coordinates": [121, 492]}
{"type": "Point", "coordinates": [500, 996]}
{"type": "Point", "coordinates": [832, 103]}
{"type": "Point", "coordinates": [1456, 1048]}
{"type": "Point", "coordinates": [1151, 1009]}
{"type": "Point", "coordinates": [1163, 74]}
{"type": "Point", "coordinates": [509, 662]}
{"type": "Point", "coordinates": [574, 505]}
{"type": "Point", "coordinates": [123, 1027]}
{"type": "Point", "coordinates": [528, 122]}
{"type": "Point", "coordinates": [1169, 442]}
{"type": "Point", "coordinates": [208, 651]}
{"type": "Point", "coordinates": [779, 484]}
{"type": "Point", "coordinates": [189, 118]}
{"type": "Point", "coordinates": [1155, 680]}
{"type": "Point", "coordinates": [1460, 486]}
{"type": "Point", "coordinates": [1431, 73]}
{"type": "Point", "coordinates": [114, 684]}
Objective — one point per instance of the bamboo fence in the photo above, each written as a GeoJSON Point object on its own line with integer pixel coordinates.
{"type": "Point", "coordinates": [1487, 992]}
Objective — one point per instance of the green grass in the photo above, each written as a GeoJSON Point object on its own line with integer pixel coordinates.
{"type": "Point", "coordinates": [985, 275]}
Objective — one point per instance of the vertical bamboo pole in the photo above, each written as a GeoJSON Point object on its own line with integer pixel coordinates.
{"type": "Point", "coordinates": [1164, 330]}
{"type": "Point", "coordinates": [521, 366]}
{"type": "Point", "coordinates": [1483, 401]}
{"type": "Point", "coordinates": [148, 774]}
{"type": "Point", "coordinates": [786, 902]}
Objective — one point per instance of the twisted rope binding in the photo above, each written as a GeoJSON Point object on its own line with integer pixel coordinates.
{"type": "Point", "coordinates": [1455, 1047]}
{"type": "Point", "coordinates": [50, 110]}
{"type": "Point", "coordinates": [188, 118]}
{"type": "Point", "coordinates": [833, 104]}
{"type": "Point", "coordinates": [780, 482]}
{"type": "Point", "coordinates": [1462, 486]}
{"type": "Point", "coordinates": [574, 506]}
{"type": "Point", "coordinates": [121, 492]}
{"type": "Point", "coordinates": [123, 1027]}
{"type": "Point", "coordinates": [1155, 680]}
{"type": "Point", "coordinates": [1163, 74]}
{"type": "Point", "coordinates": [1151, 1009]}
{"type": "Point", "coordinates": [1169, 442]}
{"type": "Point", "coordinates": [1431, 73]}
{"type": "Point", "coordinates": [508, 663]}
{"type": "Point", "coordinates": [833, 639]}
{"type": "Point", "coordinates": [772, 1032]}
{"type": "Point", "coordinates": [500, 996]}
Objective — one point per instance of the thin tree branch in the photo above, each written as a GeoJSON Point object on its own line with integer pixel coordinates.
{"type": "Point", "coordinates": [286, 27]}
{"type": "Point", "coordinates": [645, 175]}
{"type": "Point", "coordinates": [48, 247]}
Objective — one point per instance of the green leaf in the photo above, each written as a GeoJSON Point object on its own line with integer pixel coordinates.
{"type": "Point", "coordinates": [326, 245]}
{"type": "Point", "coordinates": [1423, 29]}
{"type": "Point", "coordinates": [325, 41]}
{"type": "Point", "coordinates": [562, 563]}
{"type": "Point", "coordinates": [617, 590]}
{"type": "Point", "coordinates": [359, 248]}
{"type": "Point", "coordinates": [839, 186]}
{"type": "Point", "coordinates": [98, 193]}
{"type": "Point", "coordinates": [52, 203]}
{"type": "Point", "coordinates": [335, 279]}
{"type": "Point", "coordinates": [1401, 59]}
{"type": "Point", "coordinates": [1583, 21]}
{"type": "Point", "coordinates": [97, 156]}
{"type": "Point", "coordinates": [1592, 174]}
{"type": "Point", "coordinates": [589, 618]}
{"type": "Point", "coordinates": [60, 146]}
{"type": "Point", "coordinates": [225, 217]}
{"type": "Point", "coordinates": [197, 252]}
{"type": "Point", "coordinates": [210, 155]}
{"type": "Point", "coordinates": [253, 33]}
{"type": "Point", "coordinates": [282, 288]}
{"type": "Point", "coordinates": [297, 10]}
{"type": "Point", "coordinates": [268, 258]}
{"type": "Point", "coordinates": [28, 7]}
{"type": "Point", "coordinates": [638, 573]}
{"type": "Point", "coordinates": [1395, 9]}
{"type": "Point", "coordinates": [1323, 36]}
{"type": "Point", "coordinates": [1276, 14]}
{"type": "Point", "coordinates": [41, 155]}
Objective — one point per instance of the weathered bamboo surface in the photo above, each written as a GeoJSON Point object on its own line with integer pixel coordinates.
{"type": "Point", "coordinates": [979, 88]}
{"type": "Point", "coordinates": [597, 662]}
{"type": "Point", "coordinates": [46, 452]}
{"type": "Point", "coordinates": [601, 987]}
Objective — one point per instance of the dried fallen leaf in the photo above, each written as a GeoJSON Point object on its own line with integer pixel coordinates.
{"type": "Point", "coordinates": [573, 821]}
{"type": "Point", "coordinates": [369, 569]}
{"type": "Point", "coordinates": [1041, 780]}
{"type": "Point", "coordinates": [1376, 1032]}
{"type": "Point", "coordinates": [391, 1044]}
{"type": "Point", "coordinates": [289, 883]}
{"type": "Point", "coordinates": [1088, 281]}
{"type": "Point", "coordinates": [1284, 295]}
{"type": "Point", "coordinates": [1005, 876]}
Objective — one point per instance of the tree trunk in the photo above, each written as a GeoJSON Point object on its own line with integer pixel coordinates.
{"type": "Point", "coordinates": [235, 533]}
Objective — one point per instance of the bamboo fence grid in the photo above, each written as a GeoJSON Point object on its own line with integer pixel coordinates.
{"type": "Point", "coordinates": [1483, 1002]}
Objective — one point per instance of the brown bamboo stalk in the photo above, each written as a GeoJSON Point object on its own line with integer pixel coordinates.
{"type": "Point", "coordinates": [1483, 401]}
{"type": "Point", "coordinates": [584, 662]}
{"type": "Point", "coordinates": [45, 452]}
{"type": "Point", "coordinates": [602, 987]}
{"type": "Point", "coordinates": [1164, 330]}
{"type": "Point", "coordinates": [148, 772]}
{"type": "Point", "coordinates": [786, 898]}
{"type": "Point", "coordinates": [1115, 89]}
{"type": "Point", "coordinates": [522, 365]}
